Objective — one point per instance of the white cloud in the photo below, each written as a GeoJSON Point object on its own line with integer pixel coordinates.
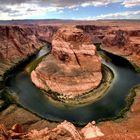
{"type": "Point", "coordinates": [76, 9]}
{"type": "Point", "coordinates": [95, 3]}
{"type": "Point", "coordinates": [119, 15]}
{"type": "Point", "coordinates": [131, 3]}
{"type": "Point", "coordinates": [26, 9]}
{"type": "Point", "coordinates": [61, 11]}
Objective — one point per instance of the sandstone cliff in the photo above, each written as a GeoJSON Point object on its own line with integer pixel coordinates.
{"type": "Point", "coordinates": [72, 68]}
{"type": "Point", "coordinates": [97, 33]}
{"type": "Point", "coordinates": [124, 43]}
{"type": "Point", "coordinates": [19, 42]}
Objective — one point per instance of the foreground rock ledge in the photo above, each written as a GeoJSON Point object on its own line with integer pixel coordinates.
{"type": "Point", "coordinates": [63, 131]}
{"type": "Point", "coordinates": [72, 68]}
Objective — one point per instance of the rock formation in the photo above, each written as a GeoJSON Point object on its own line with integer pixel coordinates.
{"type": "Point", "coordinates": [97, 33]}
{"type": "Point", "coordinates": [117, 40]}
{"type": "Point", "coordinates": [124, 43]}
{"type": "Point", "coordinates": [19, 42]}
{"type": "Point", "coordinates": [72, 68]}
{"type": "Point", "coordinates": [63, 131]}
{"type": "Point", "coordinates": [124, 129]}
{"type": "Point", "coordinates": [16, 42]}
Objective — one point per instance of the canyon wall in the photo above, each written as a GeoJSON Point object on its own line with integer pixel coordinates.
{"type": "Point", "coordinates": [97, 33]}
{"type": "Point", "coordinates": [125, 43]}
{"type": "Point", "coordinates": [19, 42]}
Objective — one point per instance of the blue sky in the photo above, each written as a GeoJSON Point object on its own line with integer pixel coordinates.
{"type": "Point", "coordinates": [69, 9]}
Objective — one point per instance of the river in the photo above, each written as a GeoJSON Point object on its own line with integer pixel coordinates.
{"type": "Point", "coordinates": [31, 98]}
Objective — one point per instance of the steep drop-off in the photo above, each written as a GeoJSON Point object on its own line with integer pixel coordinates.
{"type": "Point", "coordinates": [19, 42]}
{"type": "Point", "coordinates": [124, 43]}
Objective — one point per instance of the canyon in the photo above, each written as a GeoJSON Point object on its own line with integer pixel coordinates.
{"type": "Point", "coordinates": [19, 42]}
{"type": "Point", "coordinates": [35, 36]}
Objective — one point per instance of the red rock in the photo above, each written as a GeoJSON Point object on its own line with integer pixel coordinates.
{"type": "Point", "coordinates": [17, 128]}
{"type": "Point", "coordinates": [73, 67]}
{"type": "Point", "coordinates": [66, 131]}
{"type": "Point", "coordinates": [71, 129]}
{"type": "Point", "coordinates": [4, 135]}
{"type": "Point", "coordinates": [15, 42]}
{"type": "Point", "coordinates": [97, 33]}
{"type": "Point", "coordinates": [91, 131]}
{"type": "Point", "coordinates": [34, 134]}
{"type": "Point", "coordinates": [124, 43]}
{"type": "Point", "coordinates": [19, 42]}
{"type": "Point", "coordinates": [121, 136]}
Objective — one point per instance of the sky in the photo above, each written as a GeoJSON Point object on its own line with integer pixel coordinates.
{"type": "Point", "coordinates": [69, 9]}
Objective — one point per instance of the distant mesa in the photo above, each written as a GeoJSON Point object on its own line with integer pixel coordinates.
{"type": "Point", "coordinates": [73, 67]}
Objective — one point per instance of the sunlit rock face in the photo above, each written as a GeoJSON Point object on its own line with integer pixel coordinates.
{"type": "Point", "coordinates": [72, 68]}
{"type": "Point", "coordinates": [97, 33]}
{"type": "Point", "coordinates": [17, 43]}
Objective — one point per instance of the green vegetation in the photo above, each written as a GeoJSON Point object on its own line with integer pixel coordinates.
{"type": "Point", "coordinates": [31, 66]}
{"type": "Point", "coordinates": [123, 113]}
{"type": "Point", "coordinates": [10, 96]}
{"type": "Point", "coordinates": [4, 99]}
{"type": "Point", "coordinates": [137, 69]}
{"type": "Point", "coordinates": [98, 46]}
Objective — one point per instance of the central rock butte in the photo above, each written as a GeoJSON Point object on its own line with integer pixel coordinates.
{"type": "Point", "coordinates": [73, 67]}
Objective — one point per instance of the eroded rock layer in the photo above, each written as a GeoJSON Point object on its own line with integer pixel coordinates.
{"type": "Point", "coordinates": [124, 43]}
{"type": "Point", "coordinates": [63, 131]}
{"type": "Point", "coordinates": [72, 68]}
{"type": "Point", "coordinates": [19, 42]}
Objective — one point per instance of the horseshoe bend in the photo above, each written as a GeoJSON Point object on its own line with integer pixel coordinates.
{"type": "Point", "coordinates": [77, 71]}
{"type": "Point", "coordinates": [73, 67]}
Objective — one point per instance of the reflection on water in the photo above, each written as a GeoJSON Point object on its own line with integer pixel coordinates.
{"type": "Point", "coordinates": [43, 51]}
{"type": "Point", "coordinates": [32, 98]}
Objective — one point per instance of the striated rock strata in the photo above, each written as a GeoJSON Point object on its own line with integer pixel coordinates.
{"type": "Point", "coordinates": [124, 43]}
{"type": "Point", "coordinates": [63, 131]}
{"type": "Point", "coordinates": [97, 33]}
{"type": "Point", "coordinates": [72, 68]}
{"type": "Point", "coordinates": [19, 42]}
